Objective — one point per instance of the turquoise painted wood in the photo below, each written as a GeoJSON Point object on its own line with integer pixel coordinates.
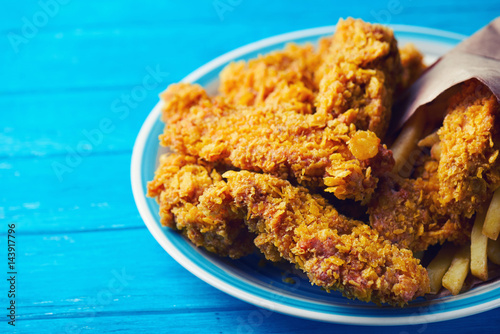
{"type": "Point", "coordinates": [78, 80]}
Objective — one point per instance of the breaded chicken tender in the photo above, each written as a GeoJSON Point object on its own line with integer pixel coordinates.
{"type": "Point", "coordinates": [353, 72]}
{"type": "Point", "coordinates": [280, 78]}
{"type": "Point", "coordinates": [455, 181]}
{"type": "Point", "coordinates": [359, 75]}
{"type": "Point", "coordinates": [335, 252]}
{"type": "Point", "coordinates": [179, 183]}
{"type": "Point", "coordinates": [408, 213]}
{"type": "Point", "coordinates": [306, 147]}
{"type": "Point", "coordinates": [469, 166]}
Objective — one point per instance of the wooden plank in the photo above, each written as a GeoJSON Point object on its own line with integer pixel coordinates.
{"type": "Point", "coordinates": [78, 274]}
{"type": "Point", "coordinates": [58, 123]}
{"type": "Point", "coordinates": [117, 280]}
{"type": "Point", "coordinates": [76, 235]}
{"type": "Point", "coordinates": [254, 320]}
{"type": "Point", "coordinates": [95, 194]}
{"type": "Point", "coordinates": [153, 13]}
{"type": "Point", "coordinates": [69, 13]}
{"type": "Point", "coordinates": [108, 56]}
{"type": "Point", "coordinates": [82, 59]}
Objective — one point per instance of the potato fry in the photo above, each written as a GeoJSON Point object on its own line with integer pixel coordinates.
{"type": "Point", "coordinates": [491, 227]}
{"type": "Point", "coordinates": [494, 251]}
{"type": "Point", "coordinates": [407, 141]}
{"type": "Point", "coordinates": [436, 151]}
{"type": "Point", "coordinates": [430, 140]}
{"type": "Point", "coordinates": [439, 265]}
{"type": "Point", "coordinates": [478, 246]}
{"type": "Point", "coordinates": [454, 278]}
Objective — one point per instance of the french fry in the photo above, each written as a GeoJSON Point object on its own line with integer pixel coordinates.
{"type": "Point", "coordinates": [439, 265]}
{"type": "Point", "coordinates": [436, 151]}
{"type": "Point", "coordinates": [494, 251]}
{"type": "Point", "coordinates": [430, 140]}
{"type": "Point", "coordinates": [406, 143]}
{"type": "Point", "coordinates": [454, 278]}
{"type": "Point", "coordinates": [478, 246]}
{"type": "Point", "coordinates": [491, 227]}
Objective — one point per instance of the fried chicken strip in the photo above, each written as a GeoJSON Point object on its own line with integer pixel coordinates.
{"type": "Point", "coordinates": [335, 252]}
{"type": "Point", "coordinates": [359, 75]}
{"type": "Point", "coordinates": [179, 183]}
{"type": "Point", "coordinates": [408, 212]}
{"type": "Point", "coordinates": [455, 182]}
{"type": "Point", "coordinates": [469, 168]}
{"type": "Point", "coordinates": [282, 77]}
{"type": "Point", "coordinates": [353, 72]}
{"type": "Point", "coordinates": [284, 143]}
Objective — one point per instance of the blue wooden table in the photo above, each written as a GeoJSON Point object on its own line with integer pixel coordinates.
{"type": "Point", "coordinates": [78, 80]}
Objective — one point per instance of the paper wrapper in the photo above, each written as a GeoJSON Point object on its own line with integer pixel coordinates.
{"type": "Point", "coordinates": [476, 57]}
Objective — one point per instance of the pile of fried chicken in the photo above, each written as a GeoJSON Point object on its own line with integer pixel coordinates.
{"type": "Point", "coordinates": [257, 165]}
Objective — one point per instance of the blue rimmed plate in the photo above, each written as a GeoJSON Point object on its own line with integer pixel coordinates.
{"type": "Point", "coordinates": [281, 288]}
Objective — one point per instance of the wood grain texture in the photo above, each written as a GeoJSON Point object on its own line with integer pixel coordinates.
{"type": "Point", "coordinates": [83, 82]}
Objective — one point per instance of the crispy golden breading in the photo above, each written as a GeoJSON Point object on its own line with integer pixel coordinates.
{"type": "Point", "coordinates": [335, 252]}
{"type": "Point", "coordinates": [469, 168]}
{"type": "Point", "coordinates": [280, 78]}
{"type": "Point", "coordinates": [287, 223]}
{"type": "Point", "coordinates": [454, 182]}
{"type": "Point", "coordinates": [179, 183]}
{"type": "Point", "coordinates": [280, 142]}
{"type": "Point", "coordinates": [359, 74]}
{"type": "Point", "coordinates": [407, 212]}
{"type": "Point", "coordinates": [353, 72]}
{"type": "Point", "coordinates": [179, 98]}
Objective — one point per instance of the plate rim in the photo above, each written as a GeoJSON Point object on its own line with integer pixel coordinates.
{"type": "Point", "coordinates": [154, 228]}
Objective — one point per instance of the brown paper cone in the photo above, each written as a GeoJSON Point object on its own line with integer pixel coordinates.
{"type": "Point", "coordinates": [476, 57]}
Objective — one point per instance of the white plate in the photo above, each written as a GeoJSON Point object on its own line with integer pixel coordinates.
{"type": "Point", "coordinates": [266, 286]}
